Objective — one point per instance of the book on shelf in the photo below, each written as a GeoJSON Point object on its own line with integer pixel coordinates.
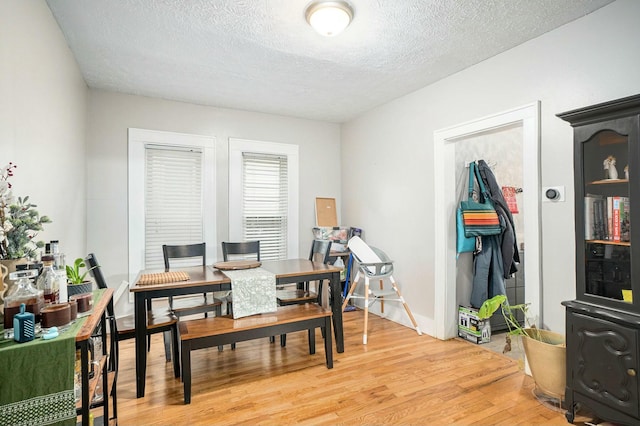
{"type": "Point", "coordinates": [594, 219]}
{"type": "Point", "coordinates": [606, 218]}
{"type": "Point", "coordinates": [625, 227]}
{"type": "Point", "coordinates": [589, 228]}
{"type": "Point", "coordinates": [609, 219]}
{"type": "Point", "coordinates": [615, 220]}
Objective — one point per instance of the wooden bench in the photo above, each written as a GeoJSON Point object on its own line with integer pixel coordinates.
{"type": "Point", "coordinates": [210, 332]}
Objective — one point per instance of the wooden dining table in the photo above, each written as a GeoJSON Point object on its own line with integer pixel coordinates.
{"type": "Point", "coordinates": [203, 279]}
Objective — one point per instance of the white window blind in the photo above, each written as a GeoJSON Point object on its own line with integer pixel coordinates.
{"type": "Point", "coordinates": [173, 200]}
{"type": "Point", "coordinates": [265, 203]}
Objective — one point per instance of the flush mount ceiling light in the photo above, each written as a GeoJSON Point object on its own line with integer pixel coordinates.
{"type": "Point", "coordinates": [329, 18]}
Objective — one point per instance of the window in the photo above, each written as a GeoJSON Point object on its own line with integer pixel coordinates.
{"type": "Point", "coordinates": [172, 200]}
{"type": "Point", "coordinates": [263, 188]}
{"type": "Point", "coordinates": [171, 195]}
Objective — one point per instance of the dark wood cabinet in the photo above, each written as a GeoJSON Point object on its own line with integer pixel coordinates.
{"type": "Point", "coordinates": [603, 323]}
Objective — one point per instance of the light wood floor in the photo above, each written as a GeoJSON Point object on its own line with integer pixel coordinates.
{"type": "Point", "coordinates": [398, 378]}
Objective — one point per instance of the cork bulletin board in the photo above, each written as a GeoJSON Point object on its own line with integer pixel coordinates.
{"type": "Point", "coordinates": [326, 214]}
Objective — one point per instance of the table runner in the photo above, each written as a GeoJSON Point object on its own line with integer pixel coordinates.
{"type": "Point", "coordinates": [253, 290]}
{"type": "Point", "coordinates": [36, 378]}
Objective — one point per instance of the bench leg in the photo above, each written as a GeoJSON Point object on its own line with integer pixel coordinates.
{"type": "Point", "coordinates": [186, 371]}
{"type": "Point", "coordinates": [283, 340]}
{"type": "Point", "coordinates": [328, 350]}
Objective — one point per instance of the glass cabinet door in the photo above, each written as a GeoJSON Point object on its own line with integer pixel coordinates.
{"type": "Point", "coordinates": [607, 236]}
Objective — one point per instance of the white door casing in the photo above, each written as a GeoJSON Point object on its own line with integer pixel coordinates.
{"type": "Point", "coordinates": [445, 307]}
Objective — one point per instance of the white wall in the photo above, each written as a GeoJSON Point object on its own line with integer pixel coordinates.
{"type": "Point", "coordinates": [43, 102]}
{"type": "Point", "coordinates": [388, 182]}
{"type": "Point", "coordinates": [110, 114]}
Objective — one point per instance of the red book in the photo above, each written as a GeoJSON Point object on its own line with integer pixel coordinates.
{"type": "Point", "coordinates": [616, 219]}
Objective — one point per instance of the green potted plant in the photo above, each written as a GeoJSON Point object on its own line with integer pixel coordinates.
{"type": "Point", "coordinates": [20, 223]}
{"type": "Point", "coordinates": [545, 350]}
{"type": "Point", "coordinates": [76, 279]}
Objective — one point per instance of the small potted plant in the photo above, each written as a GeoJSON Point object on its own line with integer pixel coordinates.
{"type": "Point", "coordinates": [545, 350]}
{"type": "Point", "coordinates": [77, 282]}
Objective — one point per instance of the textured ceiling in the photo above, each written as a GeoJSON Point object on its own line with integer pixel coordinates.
{"type": "Point", "coordinates": [260, 55]}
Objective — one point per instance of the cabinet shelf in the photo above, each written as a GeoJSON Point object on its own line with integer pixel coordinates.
{"type": "Point", "coordinates": [613, 243]}
{"type": "Point", "coordinates": [608, 181]}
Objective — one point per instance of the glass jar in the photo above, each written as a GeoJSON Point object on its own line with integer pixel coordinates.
{"type": "Point", "coordinates": [22, 292]}
{"type": "Point", "coordinates": [48, 281]}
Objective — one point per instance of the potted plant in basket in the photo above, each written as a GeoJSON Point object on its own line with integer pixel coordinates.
{"type": "Point", "coordinates": [77, 282]}
{"type": "Point", "coordinates": [544, 350]}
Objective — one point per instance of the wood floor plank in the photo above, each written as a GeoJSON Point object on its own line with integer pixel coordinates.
{"type": "Point", "coordinates": [398, 378]}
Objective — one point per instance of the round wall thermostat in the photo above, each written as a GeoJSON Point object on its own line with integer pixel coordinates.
{"type": "Point", "coordinates": [552, 194]}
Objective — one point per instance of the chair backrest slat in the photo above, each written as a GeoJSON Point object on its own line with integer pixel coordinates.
{"type": "Point", "coordinates": [96, 272]}
{"type": "Point", "coordinates": [183, 251]}
{"type": "Point", "coordinates": [240, 248]}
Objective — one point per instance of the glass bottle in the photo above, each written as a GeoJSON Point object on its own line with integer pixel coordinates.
{"type": "Point", "coordinates": [22, 292]}
{"type": "Point", "coordinates": [61, 277]}
{"type": "Point", "coordinates": [48, 280]}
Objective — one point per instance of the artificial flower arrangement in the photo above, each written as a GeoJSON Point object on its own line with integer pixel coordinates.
{"type": "Point", "coordinates": [19, 221]}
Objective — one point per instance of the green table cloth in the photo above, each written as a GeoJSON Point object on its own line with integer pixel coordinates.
{"type": "Point", "coordinates": [36, 378]}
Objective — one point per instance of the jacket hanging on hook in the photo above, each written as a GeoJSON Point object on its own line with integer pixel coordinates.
{"type": "Point", "coordinates": [499, 256]}
{"type": "Point", "coordinates": [508, 242]}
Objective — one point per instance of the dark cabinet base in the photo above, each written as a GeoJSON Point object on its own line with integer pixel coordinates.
{"type": "Point", "coordinates": [602, 362]}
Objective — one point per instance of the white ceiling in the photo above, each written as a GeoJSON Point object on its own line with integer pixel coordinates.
{"type": "Point", "coordinates": [260, 55]}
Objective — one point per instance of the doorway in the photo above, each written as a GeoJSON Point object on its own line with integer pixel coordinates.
{"type": "Point", "coordinates": [526, 120]}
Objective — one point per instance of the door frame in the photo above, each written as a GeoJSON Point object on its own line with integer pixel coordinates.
{"type": "Point", "coordinates": [445, 306]}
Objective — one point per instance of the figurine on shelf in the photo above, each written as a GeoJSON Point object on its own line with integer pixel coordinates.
{"type": "Point", "coordinates": [626, 172]}
{"type": "Point", "coordinates": [610, 167]}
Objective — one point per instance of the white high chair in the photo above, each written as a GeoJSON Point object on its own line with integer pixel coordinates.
{"type": "Point", "coordinates": [374, 264]}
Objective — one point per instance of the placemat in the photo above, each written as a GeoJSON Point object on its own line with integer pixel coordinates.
{"type": "Point", "coordinates": [163, 277]}
{"type": "Point", "coordinates": [232, 265]}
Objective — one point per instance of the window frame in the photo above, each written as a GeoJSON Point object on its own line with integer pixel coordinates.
{"type": "Point", "coordinates": [236, 148]}
{"type": "Point", "coordinates": [137, 141]}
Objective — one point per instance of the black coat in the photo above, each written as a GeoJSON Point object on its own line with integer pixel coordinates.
{"type": "Point", "coordinates": [508, 243]}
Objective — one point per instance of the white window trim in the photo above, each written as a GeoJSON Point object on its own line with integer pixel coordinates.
{"type": "Point", "coordinates": [236, 148]}
{"type": "Point", "coordinates": [138, 138]}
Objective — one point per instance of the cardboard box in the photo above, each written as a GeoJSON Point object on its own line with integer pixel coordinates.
{"type": "Point", "coordinates": [470, 327]}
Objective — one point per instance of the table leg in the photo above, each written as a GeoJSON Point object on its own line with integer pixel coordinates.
{"type": "Point", "coordinates": [186, 370]}
{"type": "Point", "coordinates": [336, 309]}
{"type": "Point", "coordinates": [140, 312]}
{"type": "Point", "coordinates": [328, 351]}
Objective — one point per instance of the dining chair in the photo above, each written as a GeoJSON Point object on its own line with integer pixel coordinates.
{"type": "Point", "coordinates": [320, 250]}
{"type": "Point", "coordinates": [158, 320]}
{"type": "Point", "coordinates": [302, 293]}
{"type": "Point", "coordinates": [185, 254]}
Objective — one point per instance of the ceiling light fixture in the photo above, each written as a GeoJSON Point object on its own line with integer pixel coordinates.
{"type": "Point", "coordinates": [329, 18]}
